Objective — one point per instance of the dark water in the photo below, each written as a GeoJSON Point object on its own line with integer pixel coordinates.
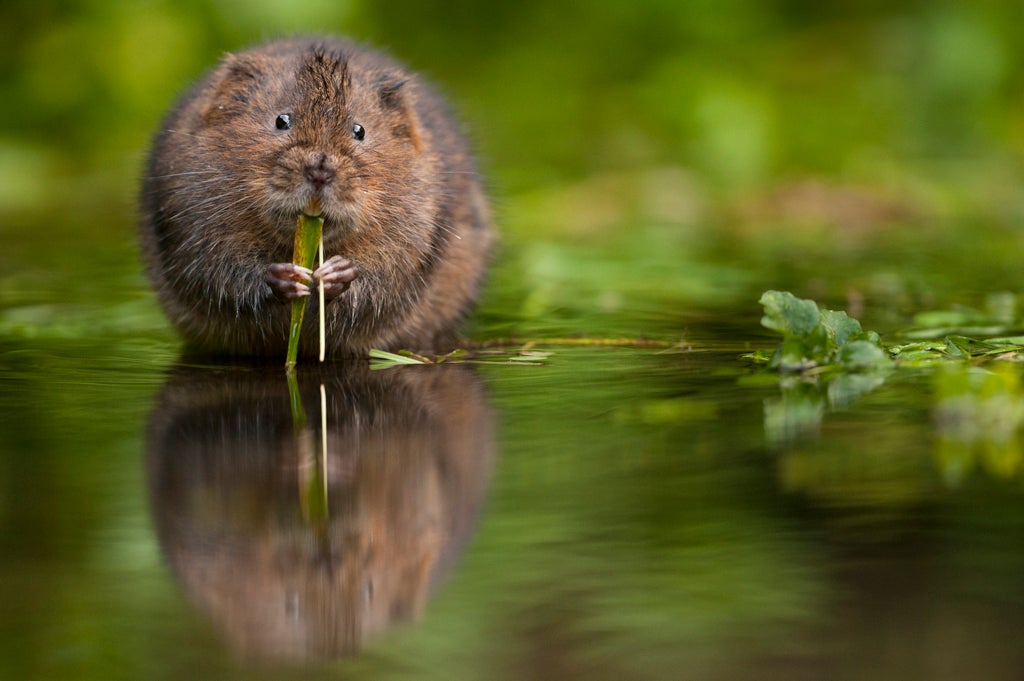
{"type": "Point", "coordinates": [607, 513]}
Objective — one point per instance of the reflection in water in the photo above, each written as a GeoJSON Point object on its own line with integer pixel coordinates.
{"type": "Point", "coordinates": [296, 552]}
{"type": "Point", "coordinates": [978, 416]}
{"type": "Point", "coordinates": [798, 412]}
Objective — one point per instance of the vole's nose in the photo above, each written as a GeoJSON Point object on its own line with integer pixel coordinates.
{"type": "Point", "coordinates": [319, 172]}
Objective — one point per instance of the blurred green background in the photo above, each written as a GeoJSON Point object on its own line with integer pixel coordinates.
{"type": "Point", "coordinates": [917, 100]}
{"type": "Point", "coordinates": [702, 151]}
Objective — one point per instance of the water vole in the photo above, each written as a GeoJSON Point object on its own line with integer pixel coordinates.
{"type": "Point", "coordinates": [307, 125]}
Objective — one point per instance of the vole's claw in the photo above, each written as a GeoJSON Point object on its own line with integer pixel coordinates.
{"type": "Point", "coordinates": [289, 281]}
{"type": "Point", "coordinates": [335, 276]}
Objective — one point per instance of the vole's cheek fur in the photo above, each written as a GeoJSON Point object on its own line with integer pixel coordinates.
{"type": "Point", "coordinates": [314, 124]}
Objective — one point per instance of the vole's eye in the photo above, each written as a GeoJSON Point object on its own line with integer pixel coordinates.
{"type": "Point", "coordinates": [358, 131]}
{"type": "Point", "coordinates": [283, 122]}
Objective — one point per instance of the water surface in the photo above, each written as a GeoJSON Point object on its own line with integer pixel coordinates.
{"type": "Point", "coordinates": [598, 511]}
{"type": "Point", "coordinates": [614, 513]}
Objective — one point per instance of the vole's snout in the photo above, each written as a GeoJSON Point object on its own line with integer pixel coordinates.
{"type": "Point", "coordinates": [320, 172]}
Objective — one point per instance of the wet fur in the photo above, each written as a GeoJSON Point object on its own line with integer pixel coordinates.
{"type": "Point", "coordinates": [224, 187]}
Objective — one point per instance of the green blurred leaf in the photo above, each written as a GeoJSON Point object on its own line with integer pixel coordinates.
{"type": "Point", "coordinates": [381, 359]}
{"type": "Point", "coordinates": [839, 326]}
{"type": "Point", "coordinates": [787, 314]}
{"type": "Point", "coordinates": [862, 354]}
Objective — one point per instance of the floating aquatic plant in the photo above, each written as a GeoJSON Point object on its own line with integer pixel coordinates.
{"type": "Point", "coordinates": [813, 337]}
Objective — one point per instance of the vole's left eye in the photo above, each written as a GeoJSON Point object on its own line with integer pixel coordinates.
{"type": "Point", "coordinates": [283, 122]}
{"type": "Point", "coordinates": [358, 131]}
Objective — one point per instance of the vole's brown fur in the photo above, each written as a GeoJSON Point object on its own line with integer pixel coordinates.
{"type": "Point", "coordinates": [294, 126]}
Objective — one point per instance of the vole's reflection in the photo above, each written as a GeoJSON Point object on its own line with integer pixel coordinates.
{"type": "Point", "coordinates": [295, 551]}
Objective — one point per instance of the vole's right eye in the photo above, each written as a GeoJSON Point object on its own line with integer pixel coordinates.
{"type": "Point", "coordinates": [283, 122]}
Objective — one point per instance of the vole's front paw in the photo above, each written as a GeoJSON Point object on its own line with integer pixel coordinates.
{"type": "Point", "coordinates": [335, 276]}
{"type": "Point", "coordinates": [289, 281]}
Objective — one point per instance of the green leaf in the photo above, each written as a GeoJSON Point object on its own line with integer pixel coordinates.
{"type": "Point", "coordinates": [959, 347]}
{"type": "Point", "coordinates": [795, 354]}
{"type": "Point", "coordinates": [789, 315]}
{"type": "Point", "coordinates": [381, 359]}
{"type": "Point", "coordinates": [839, 327]}
{"type": "Point", "coordinates": [862, 354]}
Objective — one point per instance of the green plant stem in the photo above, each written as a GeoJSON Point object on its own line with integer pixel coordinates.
{"type": "Point", "coordinates": [308, 233]}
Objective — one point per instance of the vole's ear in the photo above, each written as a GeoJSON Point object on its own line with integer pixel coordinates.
{"type": "Point", "coordinates": [396, 99]}
{"type": "Point", "coordinates": [391, 92]}
{"type": "Point", "coordinates": [230, 88]}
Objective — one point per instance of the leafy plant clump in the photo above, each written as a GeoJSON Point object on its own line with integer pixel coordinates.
{"type": "Point", "coordinates": [813, 338]}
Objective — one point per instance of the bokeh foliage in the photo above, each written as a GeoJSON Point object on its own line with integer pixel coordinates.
{"type": "Point", "coordinates": [741, 92]}
{"type": "Point", "coordinates": [729, 146]}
